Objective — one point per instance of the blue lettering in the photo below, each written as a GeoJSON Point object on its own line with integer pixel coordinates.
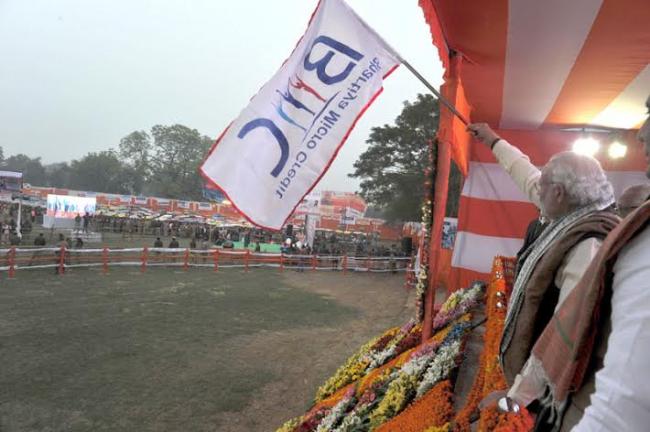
{"type": "Point", "coordinates": [277, 134]}
{"type": "Point", "coordinates": [331, 117]}
{"type": "Point", "coordinates": [322, 63]}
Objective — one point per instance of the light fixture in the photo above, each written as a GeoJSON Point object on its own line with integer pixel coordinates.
{"type": "Point", "coordinates": [586, 146]}
{"type": "Point", "coordinates": [617, 150]}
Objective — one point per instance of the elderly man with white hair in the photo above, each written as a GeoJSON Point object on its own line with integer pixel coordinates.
{"type": "Point", "coordinates": [593, 357]}
{"type": "Point", "coordinates": [573, 192]}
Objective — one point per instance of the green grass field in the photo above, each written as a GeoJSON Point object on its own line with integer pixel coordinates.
{"type": "Point", "coordinates": [174, 351]}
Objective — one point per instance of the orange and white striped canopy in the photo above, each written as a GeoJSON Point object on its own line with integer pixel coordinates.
{"type": "Point", "coordinates": [534, 70]}
{"type": "Point", "coordinates": [531, 64]}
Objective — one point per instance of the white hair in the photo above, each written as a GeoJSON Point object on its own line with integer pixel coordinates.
{"type": "Point", "coordinates": [582, 177]}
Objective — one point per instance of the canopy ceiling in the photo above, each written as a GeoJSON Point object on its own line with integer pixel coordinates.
{"type": "Point", "coordinates": [530, 64]}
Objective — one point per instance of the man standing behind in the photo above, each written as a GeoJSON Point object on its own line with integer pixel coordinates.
{"type": "Point", "coordinates": [40, 240]}
{"type": "Point", "coordinates": [600, 337]}
{"type": "Point", "coordinates": [574, 194]}
{"type": "Point", "coordinates": [86, 221]}
{"type": "Point", "coordinates": [632, 198]}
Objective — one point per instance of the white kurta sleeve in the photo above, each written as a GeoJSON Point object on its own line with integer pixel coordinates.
{"type": "Point", "coordinates": [621, 401]}
{"type": "Point", "coordinates": [574, 266]}
{"type": "Point", "coordinates": [523, 173]}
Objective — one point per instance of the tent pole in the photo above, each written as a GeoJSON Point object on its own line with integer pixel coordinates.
{"type": "Point", "coordinates": [441, 187]}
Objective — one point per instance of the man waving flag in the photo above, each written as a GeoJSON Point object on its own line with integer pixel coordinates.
{"type": "Point", "coordinates": [283, 142]}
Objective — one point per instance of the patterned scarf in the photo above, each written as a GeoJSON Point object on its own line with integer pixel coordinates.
{"type": "Point", "coordinates": [563, 352]}
{"type": "Point", "coordinates": [531, 257]}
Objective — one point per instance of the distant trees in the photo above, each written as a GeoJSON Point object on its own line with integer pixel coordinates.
{"type": "Point", "coordinates": [392, 168]}
{"type": "Point", "coordinates": [101, 172]}
{"type": "Point", "coordinates": [58, 175]}
{"type": "Point", "coordinates": [32, 169]}
{"type": "Point", "coordinates": [177, 151]}
{"type": "Point", "coordinates": [135, 151]}
{"type": "Point", "coordinates": [163, 163]}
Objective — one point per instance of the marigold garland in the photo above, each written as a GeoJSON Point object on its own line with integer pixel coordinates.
{"type": "Point", "coordinates": [434, 409]}
{"type": "Point", "coordinates": [444, 428]}
{"type": "Point", "coordinates": [332, 400]}
{"type": "Point", "coordinates": [489, 375]}
{"type": "Point", "coordinates": [515, 422]}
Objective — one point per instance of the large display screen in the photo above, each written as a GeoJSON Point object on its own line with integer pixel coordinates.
{"type": "Point", "coordinates": [68, 207]}
{"type": "Point", "coordinates": [11, 181]}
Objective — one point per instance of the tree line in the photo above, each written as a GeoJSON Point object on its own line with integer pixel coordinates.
{"type": "Point", "coordinates": [161, 163]}
{"type": "Point", "coordinates": [392, 167]}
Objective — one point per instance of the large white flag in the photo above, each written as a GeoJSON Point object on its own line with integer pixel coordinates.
{"type": "Point", "coordinates": [283, 142]}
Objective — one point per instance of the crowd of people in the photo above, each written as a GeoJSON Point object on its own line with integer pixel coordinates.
{"type": "Point", "coordinates": [577, 331]}
{"type": "Point", "coordinates": [9, 233]}
{"type": "Point", "coordinates": [197, 235]}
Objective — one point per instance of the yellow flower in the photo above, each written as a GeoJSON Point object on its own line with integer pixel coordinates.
{"type": "Point", "coordinates": [444, 428]}
{"type": "Point", "coordinates": [353, 369]}
{"type": "Point", "coordinates": [396, 397]}
{"type": "Point", "coordinates": [290, 425]}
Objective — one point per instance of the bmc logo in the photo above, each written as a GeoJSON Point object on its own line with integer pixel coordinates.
{"type": "Point", "coordinates": [294, 112]}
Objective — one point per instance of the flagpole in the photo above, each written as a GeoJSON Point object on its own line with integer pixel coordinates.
{"type": "Point", "coordinates": [444, 101]}
{"type": "Point", "coordinates": [417, 74]}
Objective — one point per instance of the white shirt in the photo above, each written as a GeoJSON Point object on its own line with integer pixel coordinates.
{"type": "Point", "coordinates": [527, 387]}
{"type": "Point", "coordinates": [621, 401]}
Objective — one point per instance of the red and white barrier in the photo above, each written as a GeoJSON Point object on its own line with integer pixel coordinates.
{"type": "Point", "coordinates": [61, 258]}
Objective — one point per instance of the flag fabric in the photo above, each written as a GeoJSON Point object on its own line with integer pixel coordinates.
{"type": "Point", "coordinates": [284, 141]}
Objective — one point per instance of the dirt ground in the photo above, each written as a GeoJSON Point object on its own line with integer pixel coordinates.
{"type": "Point", "coordinates": [174, 351]}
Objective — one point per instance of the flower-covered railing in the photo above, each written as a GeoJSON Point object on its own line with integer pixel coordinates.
{"type": "Point", "coordinates": [489, 376]}
{"type": "Point", "coordinates": [394, 383]}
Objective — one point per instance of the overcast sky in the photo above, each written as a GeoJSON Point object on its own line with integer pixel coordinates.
{"type": "Point", "coordinates": [78, 75]}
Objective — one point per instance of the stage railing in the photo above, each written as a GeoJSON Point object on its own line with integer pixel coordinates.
{"type": "Point", "coordinates": [62, 258]}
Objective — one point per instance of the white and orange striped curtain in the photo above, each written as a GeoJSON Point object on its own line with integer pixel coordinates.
{"type": "Point", "coordinates": [535, 70]}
